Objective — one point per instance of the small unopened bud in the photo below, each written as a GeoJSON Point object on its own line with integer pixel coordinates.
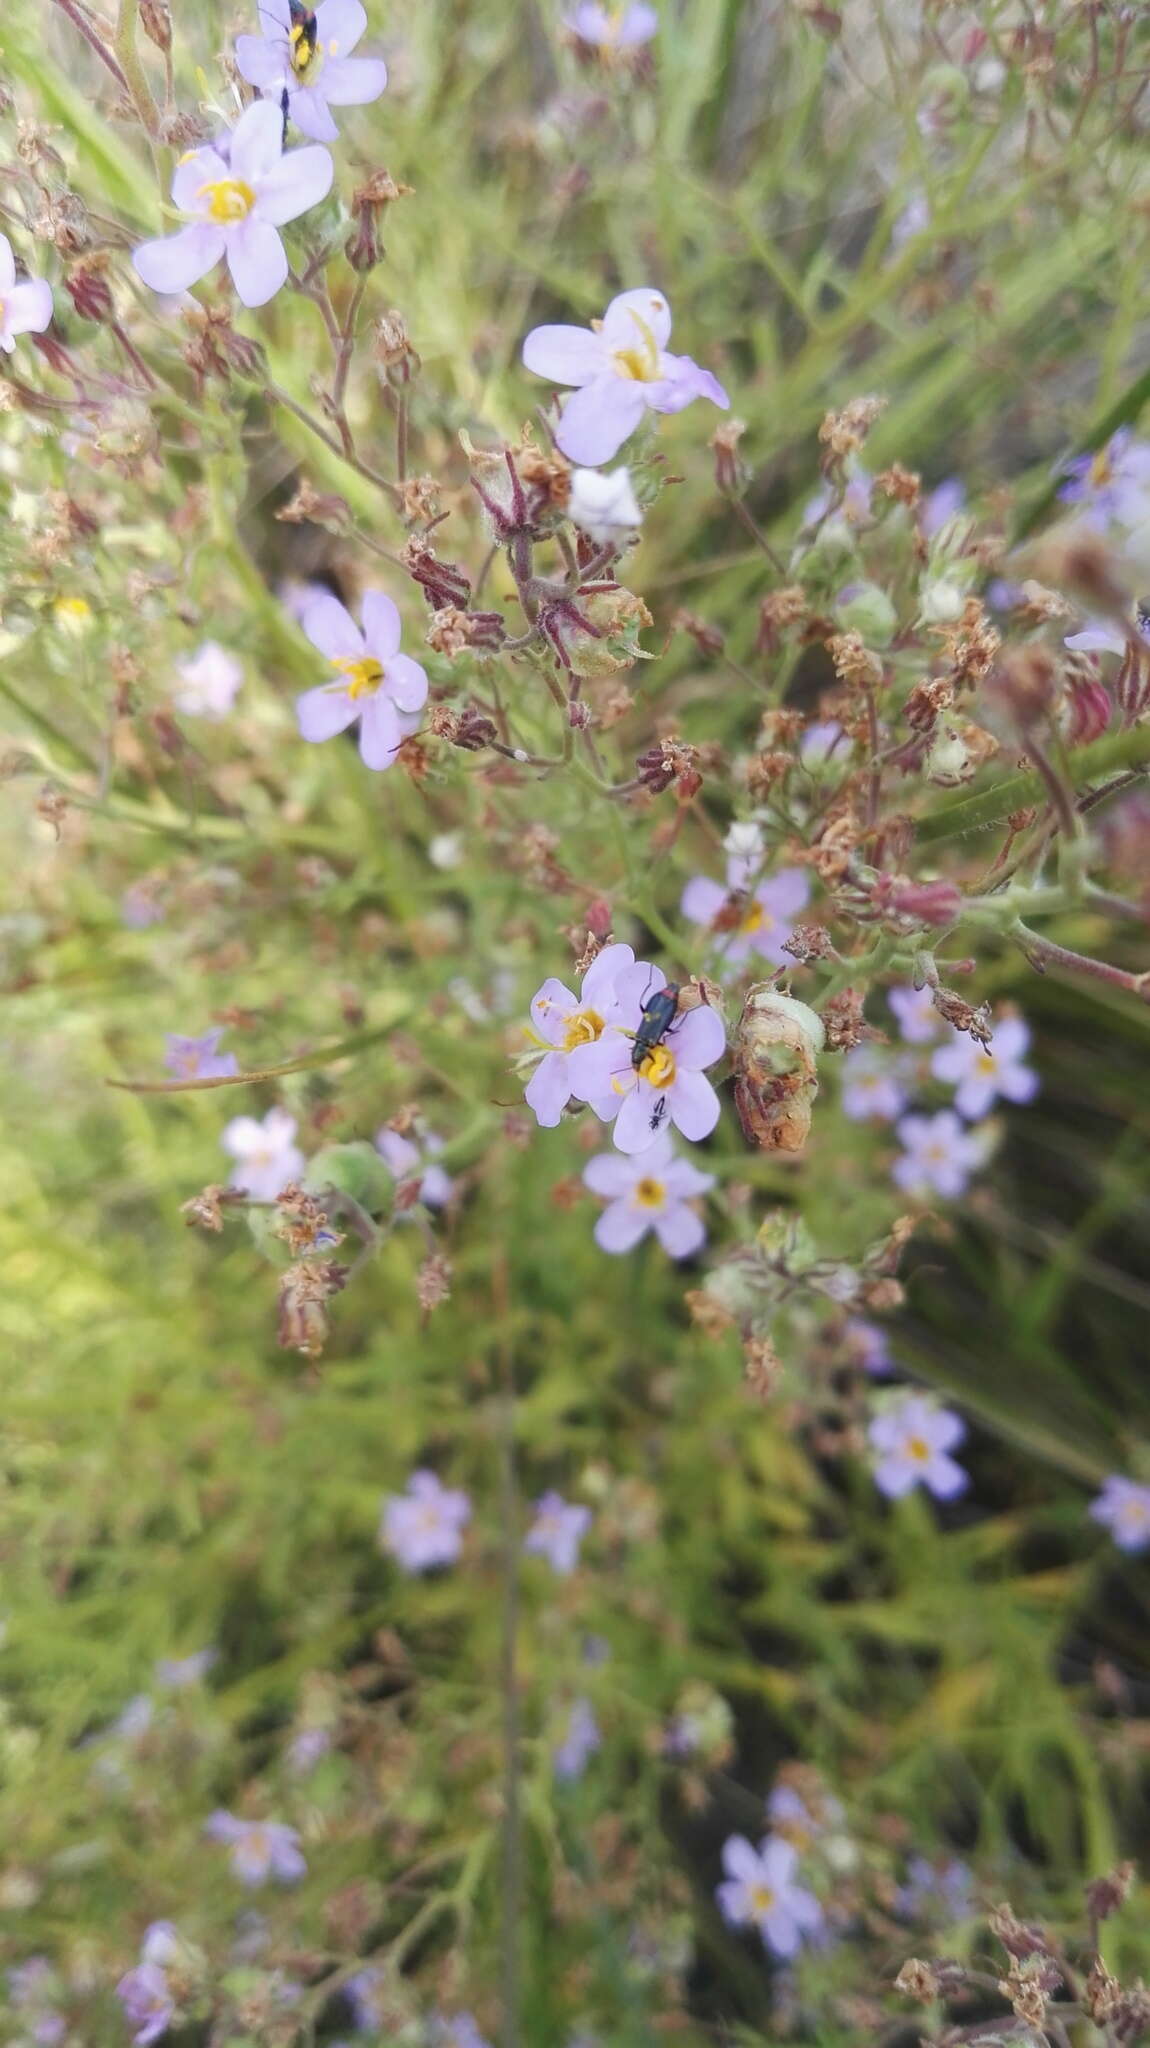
{"type": "Point", "coordinates": [307, 506]}
{"type": "Point", "coordinates": [475, 729]}
{"type": "Point", "coordinates": [206, 1208]}
{"type": "Point", "coordinates": [935, 903]}
{"type": "Point", "coordinates": [442, 583]}
{"type": "Point", "coordinates": [867, 610]}
{"type": "Point", "coordinates": [156, 22]}
{"type": "Point", "coordinates": [1026, 679]}
{"type": "Point", "coordinates": [304, 1291]}
{"type": "Point", "coordinates": [963, 1015]}
{"type": "Point", "coordinates": [364, 246]}
{"type": "Point", "coordinates": [672, 760]}
{"type": "Point", "coordinates": [1102, 1993]}
{"type": "Point", "coordinates": [1088, 709]}
{"type": "Point", "coordinates": [394, 356]}
{"type": "Point", "coordinates": [1104, 1895]}
{"type": "Point", "coordinates": [843, 1021]}
{"type": "Point", "coordinates": [783, 608]}
{"type": "Point", "coordinates": [88, 287]}
{"type": "Point", "coordinates": [917, 1980]}
{"type": "Point", "coordinates": [730, 470]}
{"type": "Point", "coordinates": [578, 714]}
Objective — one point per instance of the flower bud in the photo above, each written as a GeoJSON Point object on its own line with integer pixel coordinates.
{"type": "Point", "coordinates": [940, 603]}
{"type": "Point", "coordinates": [1087, 709]}
{"type": "Point", "coordinates": [730, 471]}
{"type": "Point", "coordinates": [156, 22]}
{"type": "Point", "coordinates": [88, 286]}
{"type": "Point", "coordinates": [867, 609]}
{"type": "Point", "coordinates": [604, 506]}
{"type": "Point", "coordinates": [776, 1045]}
{"type": "Point", "coordinates": [442, 583]}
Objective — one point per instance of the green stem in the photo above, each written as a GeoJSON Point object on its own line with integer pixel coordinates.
{"type": "Point", "coordinates": [977, 813]}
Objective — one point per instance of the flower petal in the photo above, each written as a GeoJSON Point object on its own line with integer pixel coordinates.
{"type": "Point", "coordinates": [681, 383]}
{"type": "Point", "coordinates": [380, 738]}
{"type": "Point", "coordinates": [641, 1119]}
{"type": "Point", "coordinates": [324, 712]}
{"type": "Point", "coordinates": [699, 1038]}
{"type": "Point", "coordinates": [605, 969]}
{"type": "Point", "coordinates": [620, 1227]}
{"type": "Point", "coordinates": [28, 306]}
{"type": "Point", "coordinates": [339, 25]}
{"type": "Point", "coordinates": [7, 265]}
{"type": "Point", "coordinates": [702, 900]}
{"type": "Point", "coordinates": [353, 81]}
{"type": "Point", "coordinates": [382, 625]}
{"type": "Point", "coordinates": [257, 258]}
{"type": "Point", "coordinates": [264, 64]}
{"type": "Point", "coordinates": [308, 108]}
{"type": "Point", "coordinates": [406, 683]}
{"type": "Point", "coordinates": [679, 1230]}
{"type": "Point", "coordinates": [694, 1105]}
{"type": "Point", "coordinates": [621, 328]}
{"type": "Point", "coordinates": [547, 1092]}
{"type": "Point", "coordinates": [174, 262]}
{"type": "Point", "coordinates": [275, 18]}
{"type": "Point", "coordinates": [330, 627]}
{"type": "Point", "coordinates": [202, 167]}
{"type": "Point", "coordinates": [565, 355]}
{"type": "Point", "coordinates": [257, 142]}
{"type": "Point", "coordinates": [296, 182]}
{"type": "Point", "coordinates": [609, 1175]}
{"type": "Point", "coordinates": [602, 1068]}
{"type": "Point", "coordinates": [598, 419]}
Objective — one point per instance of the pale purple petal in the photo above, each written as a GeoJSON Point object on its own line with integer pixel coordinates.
{"type": "Point", "coordinates": [602, 1068]}
{"type": "Point", "coordinates": [352, 81]}
{"type": "Point", "coordinates": [324, 712]}
{"type": "Point", "coordinates": [631, 316]}
{"type": "Point", "coordinates": [598, 419]}
{"type": "Point", "coordinates": [780, 1932]}
{"type": "Point", "coordinates": [609, 1174]}
{"type": "Point", "coordinates": [945, 1478]}
{"type": "Point", "coordinates": [339, 26]}
{"type": "Point", "coordinates": [256, 257]}
{"type": "Point", "coordinates": [1011, 1039]}
{"type": "Point", "coordinates": [27, 306]}
{"type": "Point", "coordinates": [702, 900]}
{"type": "Point", "coordinates": [699, 1038]}
{"type": "Point", "coordinates": [740, 1860]}
{"type": "Point", "coordinates": [679, 1230]}
{"type": "Point", "coordinates": [694, 1106]}
{"type": "Point", "coordinates": [600, 978]}
{"type": "Point", "coordinates": [296, 182]}
{"type": "Point", "coordinates": [621, 1226]}
{"type": "Point", "coordinates": [7, 265]}
{"type": "Point", "coordinates": [1018, 1084]}
{"type": "Point", "coordinates": [681, 383]}
{"type": "Point", "coordinates": [551, 1005]}
{"type": "Point", "coordinates": [398, 1153]}
{"type": "Point", "coordinates": [732, 1901]}
{"type": "Point", "coordinates": [436, 1188]}
{"type": "Point", "coordinates": [640, 1119]}
{"type": "Point", "coordinates": [264, 64]}
{"type": "Point", "coordinates": [192, 173]}
{"type": "Point", "coordinates": [312, 115]}
{"type": "Point", "coordinates": [565, 355]}
{"type": "Point", "coordinates": [174, 262]}
{"type": "Point", "coordinates": [681, 1179]}
{"type": "Point", "coordinates": [896, 1475]}
{"type": "Point", "coordinates": [548, 1090]}
{"type": "Point", "coordinates": [256, 142]}
{"type": "Point", "coordinates": [382, 627]}
{"type": "Point", "coordinates": [380, 738]}
{"type": "Point", "coordinates": [406, 683]}
{"type": "Point", "coordinates": [330, 627]}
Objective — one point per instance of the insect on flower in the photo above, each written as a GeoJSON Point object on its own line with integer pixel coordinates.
{"type": "Point", "coordinates": [659, 1011]}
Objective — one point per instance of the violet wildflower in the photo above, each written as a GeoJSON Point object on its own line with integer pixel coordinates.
{"type": "Point", "coordinates": [913, 1440]}
{"type": "Point", "coordinates": [33, 1988]}
{"type": "Point", "coordinates": [938, 507]}
{"type": "Point", "coordinates": [620, 367]}
{"type": "Point", "coordinates": [261, 1849]}
{"type": "Point", "coordinates": [174, 1673]}
{"type": "Point", "coordinates": [1123, 1507]}
{"type": "Point", "coordinates": [139, 909]}
{"type": "Point", "coordinates": [648, 1190]}
{"type": "Point", "coordinates": [237, 208]}
{"type": "Point", "coordinates": [458, 2031]}
{"type": "Point", "coordinates": [407, 1161]}
{"type": "Point", "coordinates": [424, 1527]}
{"type": "Point", "coordinates": [149, 2007]}
{"type": "Point", "coordinates": [198, 1059]}
{"type": "Point", "coordinates": [379, 685]}
{"type": "Point", "coordinates": [209, 680]}
{"type": "Point", "coordinates": [612, 27]}
{"type": "Point", "coordinates": [869, 1347]}
{"type": "Point", "coordinates": [668, 1083]}
{"type": "Point", "coordinates": [25, 306]}
{"type": "Point", "coordinates": [918, 1020]}
{"type": "Point", "coordinates": [853, 504]}
{"type": "Point", "coordinates": [820, 743]}
{"type": "Point", "coordinates": [980, 1073]}
{"type": "Point", "coordinates": [266, 1154]}
{"type": "Point", "coordinates": [1113, 483]}
{"type": "Point", "coordinates": [1097, 637]}
{"type": "Point", "coordinates": [566, 1025]}
{"type": "Point", "coordinates": [939, 1155]}
{"type": "Point", "coordinates": [748, 920]}
{"type": "Point", "coordinates": [310, 63]}
{"type": "Point", "coordinates": [605, 508]}
{"type": "Point", "coordinates": [935, 1891]}
{"type": "Point", "coordinates": [557, 1531]}
{"type": "Point", "coordinates": [760, 1891]}
{"type": "Point", "coordinates": [307, 1748]}
{"type": "Point", "coordinates": [872, 1085]}
{"type": "Point", "coordinates": [365, 1994]}
{"type": "Point", "coordinates": [580, 1741]}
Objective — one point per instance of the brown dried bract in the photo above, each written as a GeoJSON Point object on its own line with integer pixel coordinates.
{"type": "Point", "coordinates": [775, 1047]}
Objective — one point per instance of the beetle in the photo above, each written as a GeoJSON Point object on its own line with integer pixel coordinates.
{"type": "Point", "coordinates": [658, 1014]}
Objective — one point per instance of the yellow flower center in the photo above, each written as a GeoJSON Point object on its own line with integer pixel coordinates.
{"type": "Point", "coordinates": [303, 47]}
{"type": "Point", "coordinates": [229, 199]}
{"type": "Point", "coordinates": [762, 1898]}
{"type": "Point", "coordinates": [918, 1449]}
{"type": "Point", "coordinates": [640, 363]}
{"type": "Point", "coordinates": [582, 1027]}
{"type": "Point", "coordinates": [986, 1063]}
{"type": "Point", "coordinates": [650, 1194]}
{"type": "Point", "coordinates": [1100, 469]}
{"type": "Point", "coordinates": [659, 1067]}
{"type": "Point", "coordinates": [756, 918]}
{"type": "Point", "coordinates": [364, 674]}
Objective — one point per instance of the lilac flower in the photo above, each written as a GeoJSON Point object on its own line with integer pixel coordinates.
{"type": "Point", "coordinates": [940, 506]}
{"type": "Point", "coordinates": [1111, 484]}
{"type": "Point", "coordinates": [649, 1190]}
{"type": "Point", "coordinates": [315, 70]}
{"type": "Point", "coordinates": [365, 1994]}
{"type": "Point", "coordinates": [669, 1082]}
{"type": "Point", "coordinates": [799, 1822]}
{"type": "Point", "coordinates": [25, 308]}
{"type": "Point", "coordinates": [869, 1347]}
{"type": "Point", "coordinates": [872, 1085]}
{"type": "Point", "coordinates": [935, 1891]}
{"type": "Point", "coordinates": [621, 367]}
{"type": "Point", "coordinates": [174, 1673]}
{"type": "Point", "coordinates": [940, 1155]}
{"type": "Point", "coordinates": [139, 908]}
{"type": "Point", "coordinates": [760, 1891]}
{"type": "Point", "coordinates": [266, 1155]}
{"type": "Point", "coordinates": [237, 208]}
{"type": "Point", "coordinates": [406, 1161]}
{"type": "Point", "coordinates": [1123, 1507]}
{"type": "Point", "coordinates": [605, 508]}
{"type": "Point", "coordinates": [424, 1527]}
{"type": "Point", "coordinates": [612, 28]}
{"type": "Point", "coordinates": [149, 2007]}
{"type": "Point", "coordinates": [379, 685]}
{"type": "Point", "coordinates": [260, 1848]}
{"type": "Point", "coordinates": [818, 743]}
{"type": "Point", "coordinates": [163, 1944]}
{"type": "Point", "coordinates": [854, 506]}
{"type": "Point", "coordinates": [918, 1020]}
{"type": "Point", "coordinates": [570, 1024]}
{"type": "Point", "coordinates": [1097, 637]}
{"type": "Point", "coordinates": [980, 1073]}
{"type": "Point", "coordinates": [458, 2031]}
{"type": "Point", "coordinates": [557, 1531]}
{"type": "Point", "coordinates": [580, 1741]}
{"type": "Point", "coordinates": [209, 680]}
{"type": "Point", "coordinates": [913, 1440]}
{"type": "Point", "coordinates": [306, 1749]}
{"type": "Point", "coordinates": [198, 1059]}
{"type": "Point", "coordinates": [33, 1988]}
{"type": "Point", "coordinates": [746, 920]}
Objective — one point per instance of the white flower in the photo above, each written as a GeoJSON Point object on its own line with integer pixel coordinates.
{"type": "Point", "coordinates": [265, 1154]}
{"type": "Point", "coordinates": [604, 506]}
{"type": "Point", "coordinates": [208, 682]}
{"type": "Point", "coordinates": [745, 842]}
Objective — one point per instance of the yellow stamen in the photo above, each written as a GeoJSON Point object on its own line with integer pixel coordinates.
{"type": "Point", "coordinates": [229, 199]}
{"type": "Point", "coordinates": [303, 50]}
{"type": "Point", "coordinates": [650, 1194]}
{"type": "Point", "coordinates": [640, 363]}
{"type": "Point", "coordinates": [659, 1067]}
{"type": "Point", "coordinates": [986, 1063]}
{"type": "Point", "coordinates": [918, 1449]}
{"type": "Point", "coordinates": [762, 1899]}
{"type": "Point", "coordinates": [364, 674]}
{"type": "Point", "coordinates": [756, 919]}
{"type": "Point", "coordinates": [582, 1027]}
